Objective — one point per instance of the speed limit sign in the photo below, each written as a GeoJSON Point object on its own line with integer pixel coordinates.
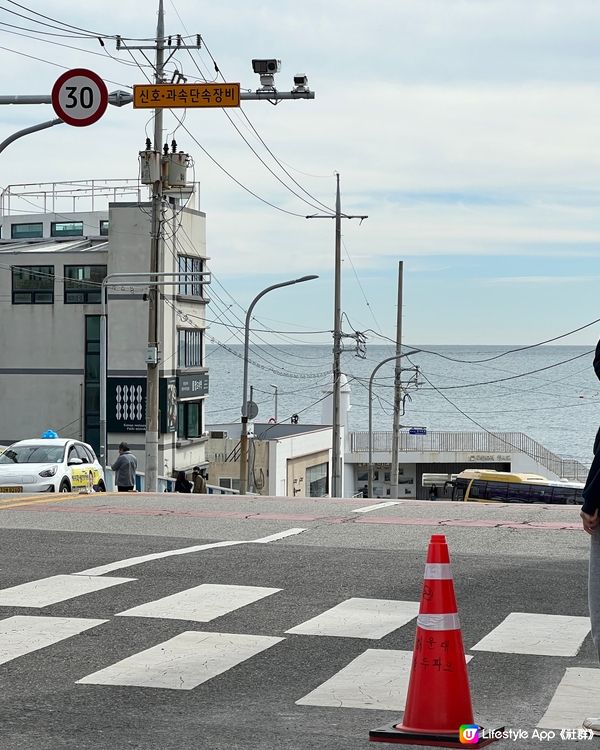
{"type": "Point", "coordinates": [80, 97]}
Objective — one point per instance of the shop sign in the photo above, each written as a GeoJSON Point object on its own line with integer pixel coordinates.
{"type": "Point", "coordinates": [126, 404]}
{"type": "Point", "coordinates": [192, 386]}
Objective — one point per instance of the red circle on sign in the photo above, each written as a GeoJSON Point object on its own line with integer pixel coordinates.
{"type": "Point", "coordinates": [99, 102]}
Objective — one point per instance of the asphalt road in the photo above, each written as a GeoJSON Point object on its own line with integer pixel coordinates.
{"type": "Point", "coordinates": [505, 559]}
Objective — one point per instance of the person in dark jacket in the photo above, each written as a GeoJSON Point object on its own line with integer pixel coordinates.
{"type": "Point", "coordinates": [125, 468]}
{"type": "Point", "coordinates": [590, 517]}
{"type": "Point", "coordinates": [182, 484]}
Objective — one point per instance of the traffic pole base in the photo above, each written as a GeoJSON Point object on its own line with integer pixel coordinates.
{"type": "Point", "coordinates": [391, 733]}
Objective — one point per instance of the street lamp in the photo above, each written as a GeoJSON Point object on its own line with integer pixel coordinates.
{"type": "Point", "coordinates": [275, 387]}
{"type": "Point", "coordinates": [383, 362]}
{"type": "Point", "coordinates": [244, 435]}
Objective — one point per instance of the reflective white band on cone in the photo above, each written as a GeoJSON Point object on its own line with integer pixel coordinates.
{"type": "Point", "coordinates": [439, 622]}
{"type": "Point", "coordinates": [437, 572]}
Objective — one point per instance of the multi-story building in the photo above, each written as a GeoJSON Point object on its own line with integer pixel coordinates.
{"type": "Point", "coordinates": [51, 268]}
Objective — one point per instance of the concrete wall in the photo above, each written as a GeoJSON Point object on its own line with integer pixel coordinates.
{"type": "Point", "coordinates": [307, 445]}
{"type": "Point", "coordinates": [91, 221]}
{"type": "Point", "coordinates": [42, 351]}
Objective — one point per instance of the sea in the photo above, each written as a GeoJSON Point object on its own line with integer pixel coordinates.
{"type": "Point", "coordinates": [550, 393]}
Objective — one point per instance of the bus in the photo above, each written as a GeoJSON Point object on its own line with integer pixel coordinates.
{"type": "Point", "coordinates": [490, 486]}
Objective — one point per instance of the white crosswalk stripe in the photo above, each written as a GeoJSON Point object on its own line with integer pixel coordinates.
{"type": "Point", "coordinates": [183, 662]}
{"type": "Point", "coordinates": [202, 603]}
{"type": "Point", "coordinates": [23, 634]}
{"type": "Point", "coordinates": [378, 678]}
{"type": "Point", "coordinates": [536, 634]}
{"type": "Point", "coordinates": [360, 618]}
{"type": "Point", "coordinates": [577, 696]}
{"type": "Point", "coordinates": [55, 589]}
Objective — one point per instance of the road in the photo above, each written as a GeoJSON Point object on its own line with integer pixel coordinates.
{"type": "Point", "coordinates": [163, 621]}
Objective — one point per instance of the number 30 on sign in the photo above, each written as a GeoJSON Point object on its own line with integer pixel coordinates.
{"type": "Point", "coordinates": [80, 97]}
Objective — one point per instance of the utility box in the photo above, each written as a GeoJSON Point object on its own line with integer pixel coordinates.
{"type": "Point", "coordinates": [149, 167]}
{"type": "Point", "coordinates": [177, 166]}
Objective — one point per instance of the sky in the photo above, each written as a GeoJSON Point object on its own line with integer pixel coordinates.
{"type": "Point", "coordinates": [467, 131]}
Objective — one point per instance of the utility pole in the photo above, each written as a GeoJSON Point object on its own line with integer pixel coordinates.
{"type": "Point", "coordinates": [336, 448]}
{"type": "Point", "coordinates": [152, 355]}
{"type": "Point", "coordinates": [397, 389]}
{"type": "Point", "coordinates": [156, 261]}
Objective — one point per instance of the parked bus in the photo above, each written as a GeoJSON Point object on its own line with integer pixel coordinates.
{"type": "Point", "coordinates": [489, 486]}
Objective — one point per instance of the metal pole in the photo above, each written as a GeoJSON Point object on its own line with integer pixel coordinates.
{"type": "Point", "coordinates": [153, 371]}
{"type": "Point", "coordinates": [244, 433]}
{"type": "Point", "coordinates": [397, 389]}
{"type": "Point", "coordinates": [383, 362]}
{"type": "Point", "coordinates": [103, 375]}
{"type": "Point", "coordinates": [336, 488]}
{"type": "Point", "coordinates": [26, 131]}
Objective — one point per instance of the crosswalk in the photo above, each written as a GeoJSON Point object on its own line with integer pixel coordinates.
{"type": "Point", "coordinates": [374, 678]}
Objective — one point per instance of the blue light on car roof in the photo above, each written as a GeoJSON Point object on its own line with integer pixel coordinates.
{"type": "Point", "coordinates": [49, 434]}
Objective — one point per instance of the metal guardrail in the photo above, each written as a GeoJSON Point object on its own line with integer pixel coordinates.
{"type": "Point", "coordinates": [476, 442]}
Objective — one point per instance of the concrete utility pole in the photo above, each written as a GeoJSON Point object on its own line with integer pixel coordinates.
{"type": "Point", "coordinates": [397, 389]}
{"type": "Point", "coordinates": [153, 351]}
{"type": "Point", "coordinates": [152, 355]}
{"type": "Point", "coordinates": [336, 448]}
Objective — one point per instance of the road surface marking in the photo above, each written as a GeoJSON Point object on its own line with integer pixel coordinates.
{"type": "Point", "coordinates": [183, 662]}
{"type": "Point", "coordinates": [55, 589]}
{"type": "Point", "coordinates": [45, 499]}
{"type": "Point", "coordinates": [536, 634]}
{"type": "Point", "coordinates": [129, 562]}
{"type": "Point", "coordinates": [577, 696]}
{"type": "Point", "coordinates": [22, 634]}
{"type": "Point", "coordinates": [378, 679]}
{"type": "Point", "coordinates": [202, 603]}
{"type": "Point", "coordinates": [378, 506]}
{"type": "Point", "coordinates": [360, 618]}
{"type": "Point", "coordinates": [275, 537]}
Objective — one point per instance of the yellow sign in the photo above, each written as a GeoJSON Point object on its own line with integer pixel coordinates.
{"type": "Point", "coordinates": [170, 95]}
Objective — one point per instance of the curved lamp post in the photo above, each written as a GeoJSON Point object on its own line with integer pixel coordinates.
{"type": "Point", "coordinates": [244, 435]}
{"type": "Point", "coordinates": [383, 362]}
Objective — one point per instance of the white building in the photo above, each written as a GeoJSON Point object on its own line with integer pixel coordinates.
{"type": "Point", "coordinates": [286, 460]}
{"type": "Point", "coordinates": [51, 268]}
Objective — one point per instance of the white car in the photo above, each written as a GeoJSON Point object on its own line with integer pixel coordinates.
{"type": "Point", "coordinates": [50, 465]}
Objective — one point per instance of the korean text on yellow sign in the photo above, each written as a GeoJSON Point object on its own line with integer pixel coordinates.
{"type": "Point", "coordinates": [169, 95]}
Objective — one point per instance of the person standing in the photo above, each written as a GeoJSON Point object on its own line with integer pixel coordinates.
{"type": "Point", "coordinates": [182, 483]}
{"type": "Point", "coordinates": [199, 481]}
{"type": "Point", "coordinates": [590, 517]}
{"type": "Point", "coordinates": [125, 468]}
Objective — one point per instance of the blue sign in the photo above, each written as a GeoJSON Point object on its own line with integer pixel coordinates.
{"type": "Point", "coordinates": [417, 431]}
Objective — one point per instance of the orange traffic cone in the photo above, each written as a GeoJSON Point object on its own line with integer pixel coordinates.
{"type": "Point", "coordinates": [438, 704]}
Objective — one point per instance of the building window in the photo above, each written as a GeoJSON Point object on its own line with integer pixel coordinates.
{"type": "Point", "coordinates": [104, 228]}
{"type": "Point", "coordinates": [317, 479]}
{"type": "Point", "coordinates": [190, 286]}
{"type": "Point", "coordinates": [189, 419]}
{"type": "Point", "coordinates": [33, 285]}
{"type": "Point", "coordinates": [66, 229]}
{"type": "Point", "coordinates": [25, 231]}
{"type": "Point", "coordinates": [83, 284]}
{"type": "Point", "coordinates": [189, 352]}
{"type": "Point", "coordinates": [92, 381]}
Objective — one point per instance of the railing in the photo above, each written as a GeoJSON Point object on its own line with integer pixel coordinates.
{"type": "Point", "coordinates": [53, 194]}
{"type": "Point", "coordinates": [476, 442]}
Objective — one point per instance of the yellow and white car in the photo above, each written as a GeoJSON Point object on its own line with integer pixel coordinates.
{"type": "Point", "coordinates": [50, 465]}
